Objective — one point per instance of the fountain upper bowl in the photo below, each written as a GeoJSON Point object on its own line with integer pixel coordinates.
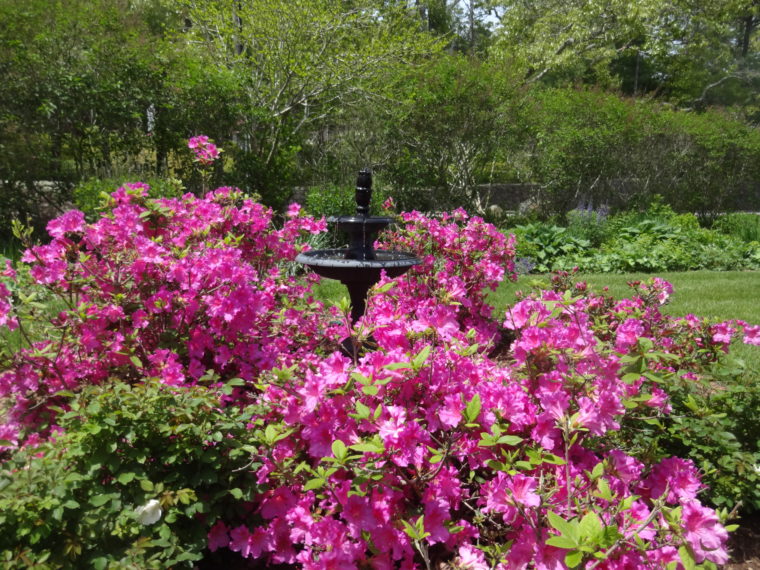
{"type": "Point", "coordinates": [332, 263]}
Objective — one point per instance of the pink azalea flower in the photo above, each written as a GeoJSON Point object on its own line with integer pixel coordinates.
{"type": "Point", "coordinates": [722, 332]}
{"type": "Point", "coordinates": [752, 335]}
{"type": "Point", "coordinates": [628, 333]}
{"type": "Point", "coordinates": [471, 558]}
{"type": "Point", "coordinates": [249, 545]}
{"type": "Point", "coordinates": [70, 222]}
{"type": "Point", "coordinates": [678, 476]}
{"type": "Point", "coordinates": [218, 537]}
{"type": "Point", "coordinates": [8, 271]}
{"type": "Point", "coordinates": [704, 533]}
{"type": "Point", "coordinates": [293, 210]}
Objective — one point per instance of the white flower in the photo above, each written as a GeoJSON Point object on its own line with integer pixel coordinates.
{"type": "Point", "coordinates": [149, 513]}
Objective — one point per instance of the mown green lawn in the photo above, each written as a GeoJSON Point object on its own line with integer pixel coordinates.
{"type": "Point", "coordinates": [715, 294]}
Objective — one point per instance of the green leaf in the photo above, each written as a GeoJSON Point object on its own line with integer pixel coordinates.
{"type": "Point", "coordinates": [511, 440]}
{"type": "Point", "coordinates": [687, 559]}
{"type": "Point", "coordinates": [316, 483]}
{"type": "Point", "coordinates": [561, 542]}
{"type": "Point", "coordinates": [385, 287]}
{"type": "Point", "coordinates": [339, 449]}
{"type": "Point", "coordinates": [604, 490]}
{"type": "Point", "coordinates": [574, 559]}
{"type": "Point", "coordinates": [590, 526]}
{"type": "Point", "coordinates": [146, 485]}
{"type": "Point", "coordinates": [125, 478]}
{"type": "Point", "coordinates": [100, 500]}
{"type": "Point", "coordinates": [372, 446]}
{"type": "Point", "coordinates": [419, 360]}
{"type": "Point", "coordinates": [567, 529]}
{"type": "Point", "coordinates": [472, 410]}
{"type": "Point", "coordinates": [361, 378]}
{"type": "Point", "coordinates": [362, 411]}
{"type": "Point", "coordinates": [397, 366]}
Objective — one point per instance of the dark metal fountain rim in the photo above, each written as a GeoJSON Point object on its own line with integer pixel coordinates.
{"type": "Point", "coordinates": [360, 220]}
{"type": "Point", "coordinates": [337, 258]}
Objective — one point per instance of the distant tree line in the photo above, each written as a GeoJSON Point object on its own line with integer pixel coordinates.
{"type": "Point", "coordinates": [600, 100]}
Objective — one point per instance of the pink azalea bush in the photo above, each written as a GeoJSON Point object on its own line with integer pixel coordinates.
{"type": "Point", "coordinates": [454, 435]}
{"type": "Point", "coordinates": [167, 288]}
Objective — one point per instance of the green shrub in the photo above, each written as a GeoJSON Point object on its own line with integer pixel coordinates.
{"type": "Point", "coordinates": [652, 241]}
{"type": "Point", "coordinates": [742, 225]}
{"type": "Point", "coordinates": [545, 244]}
{"type": "Point", "coordinates": [91, 195]}
{"type": "Point", "coordinates": [596, 146]}
{"type": "Point", "coordinates": [339, 200]}
{"type": "Point", "coordinates": [75, 504]}
{"type": "Point", "coordinates": [588, 224]}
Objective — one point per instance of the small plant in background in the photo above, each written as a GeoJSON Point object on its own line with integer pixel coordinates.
{"type": "Point", "coordinates": [205, 154]}
{"type": "Point", "coordinates": [336, 200]}
{"type": "Point", "coordinates": [93, 196]}
{"type": "Point", "coordinates": [547, 244]}
{"type": "Point", "coordinates": [587, 223]}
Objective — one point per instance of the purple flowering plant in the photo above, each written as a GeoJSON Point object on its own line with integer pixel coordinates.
{"type": "Point", "coordinates": [455, 434]}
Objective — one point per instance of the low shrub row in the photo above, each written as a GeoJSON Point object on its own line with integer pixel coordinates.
{"type": "Point", "coordinates": [655, 241]}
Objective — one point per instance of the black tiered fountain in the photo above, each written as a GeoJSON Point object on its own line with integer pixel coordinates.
{"type": "Point", "coordinates": [359, 265]}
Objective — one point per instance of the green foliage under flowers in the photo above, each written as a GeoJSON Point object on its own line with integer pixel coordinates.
{"type": "Point", "coordinates": [653, 241]}
{"type": "Point", "coordinates": [72, 502]}
{"type": "Point", "coordinates": [713, 423]}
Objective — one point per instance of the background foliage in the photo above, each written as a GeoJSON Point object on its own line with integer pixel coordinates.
{"type": "Point", "coordinates": [582, 101]}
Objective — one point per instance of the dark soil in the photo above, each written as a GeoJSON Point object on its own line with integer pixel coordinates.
{"type": "Point", "coordinates": [745, 544]}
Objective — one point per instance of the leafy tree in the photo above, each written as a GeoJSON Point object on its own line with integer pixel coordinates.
{"type": "Point", "coordinates": [697, 53]}
{"type": "Point", "coordinates": [450, 135]}
{"type": "Point", "coordinates": [300, 65]}
{"type": "Point", "coordinates": [78, 80]}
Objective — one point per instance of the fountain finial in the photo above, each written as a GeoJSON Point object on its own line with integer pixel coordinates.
{"type": "Point", "coordinates": [363, 192]}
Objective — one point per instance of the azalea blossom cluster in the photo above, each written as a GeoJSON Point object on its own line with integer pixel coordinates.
{"type": "Point", "coordinates": [205, 151]}
{"type": "Point", "coordinates": [452, 435]}
{"type": "Point", "coordinates": [171, 288]}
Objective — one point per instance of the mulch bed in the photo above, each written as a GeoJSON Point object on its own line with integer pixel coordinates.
{"type": "Point", "coordinates": [745, 544]}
